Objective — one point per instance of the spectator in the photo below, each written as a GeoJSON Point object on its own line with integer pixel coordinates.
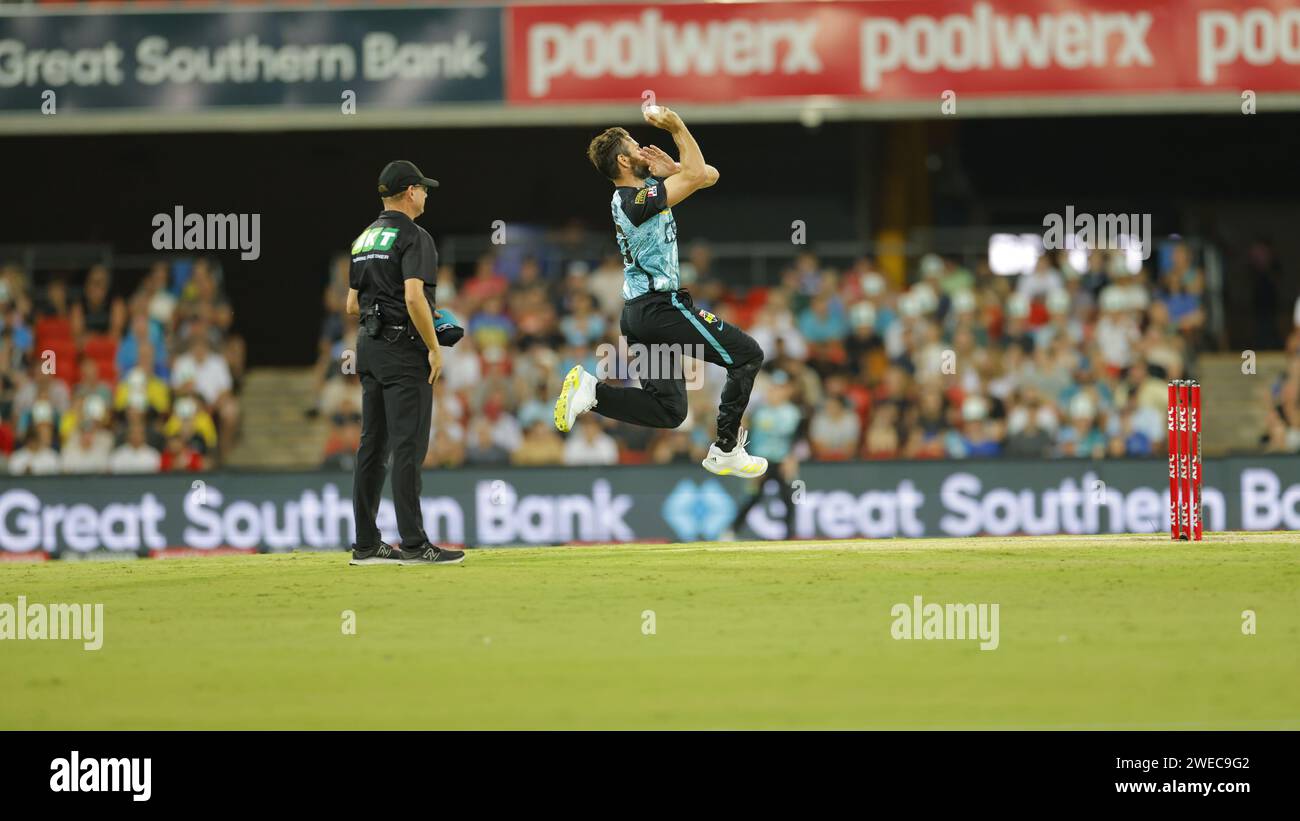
{"type": "Point", "coordinates": [135, 455]}
{"type": "Point", "coordinates": [15, 314]}
{"type": "Point", "coordinates": [698, 264]}
{"type": "Point", "coordinates": [583, 326]}
{"type": "Point", "coordinates": [89, 448]}
{"type": "Point", "coordinates": [342, 396]}
{"type": "Point", "coordinates": [774, 329]}
{"type": "Point", "coordinates": [834, 431]}
{"type": "Point", "coordinates": [491, 328]}
{"type": "Point", "coordinates": [1043, 280]}
{"type": "Point", "coordinates": [90, 406]}
{"type": "Point", "coordinates": [95, 312]}
{"type": "Point", "coordinates": [141, 381]}
{"type": "Point", "coordinates": [55, 302]}
{"type": "Point", "coordinates": [673, 447]}
{"type": "Point", "coordinates": [485, 284]}
{"type": "Point", "coordinates": [606, 285]}
{"type": "Point", "coordinates": [823, 320]}
{"type": "Point", "coordinates": [42, 386]}
{"type": "Point", "coordinates": [208, 374]}
{"type": "Point", "coordinates": [209, 377]}
{"type": "Point", "coordinates": [1081, 438]}
{"type": "Point", "coordinates": [592, 446]}
{"type": "Point", "coordinates": [541, 445]}
{"type": "Point", "coordinates": [445, 450]}
{"type": "Point", "coordinates": [343, 442]}
{"type": "Point", "coordinates": [191, 421]}
{"type": "Point", "coordinates": [179, 456]}
{"type": "Point", "coordinates": [37, 457]}
{"type": "Point", "coordinates": [334, 300]}
{"type": "Point", "coordinates": [882, 440]}
{"type": "Point", "coordinates": [481, 449]}
{"type": "Point", "coordinates": [90, 384]}
{"type": "Point", "coordinates": [160, 302]}
{"type": "Point", "coordinates": [1029, 429]}
{"type": "Point", "coordinates": [143, 332]}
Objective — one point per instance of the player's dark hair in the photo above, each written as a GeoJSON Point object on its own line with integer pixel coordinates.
{"type": "Point", "coordinates": [604, 150]}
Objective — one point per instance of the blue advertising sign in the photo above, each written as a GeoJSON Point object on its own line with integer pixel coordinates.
{"type": "Point", "coordinates": [197, 62]}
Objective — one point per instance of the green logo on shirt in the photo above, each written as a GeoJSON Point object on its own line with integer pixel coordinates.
{"type": "Point", "coordinates": [375, 239]}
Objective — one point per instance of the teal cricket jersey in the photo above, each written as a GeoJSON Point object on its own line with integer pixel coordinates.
{"type": "Point", "coordinates": [647, 238]}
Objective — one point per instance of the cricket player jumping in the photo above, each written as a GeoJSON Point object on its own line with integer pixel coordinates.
{"type": "Point", "coordinates": [657, 311]}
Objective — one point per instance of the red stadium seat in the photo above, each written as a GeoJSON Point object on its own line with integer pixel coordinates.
{"type": "Point", "coordinates": [52, 329]}
{"type": "Point", "coordinates": [627, 456]}
{"type": "Point", "coordinates": [65, 359]}
{"type": "Point", "coordinates": [101, 347]}
{"type": "Point", "coordinates": [107, 371]}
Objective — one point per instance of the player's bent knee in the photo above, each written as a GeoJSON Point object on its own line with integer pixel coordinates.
{"type": "Point", "coordinates": [675, 412]}
{"type": "Point", "coordinates": [749, 357]}
{"type": "Point", "coordinates": [750, 365]}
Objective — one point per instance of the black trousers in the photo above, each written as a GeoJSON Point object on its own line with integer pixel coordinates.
{"type": "Point", "coordinates": [670, 318]}
{"type": "Point", "coordinates": [396, 411]}
{"type": "Point", "coordinates": [784, 488]}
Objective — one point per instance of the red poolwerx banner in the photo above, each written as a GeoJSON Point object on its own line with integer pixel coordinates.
{"type": "Point", "coordinates": [901, 50]}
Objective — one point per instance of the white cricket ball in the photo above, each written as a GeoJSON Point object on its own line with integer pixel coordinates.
{"type": "Point", "coordinates": [652, 110]}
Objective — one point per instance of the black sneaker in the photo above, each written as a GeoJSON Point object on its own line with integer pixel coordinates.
{"type": "Point", "coordinates": [382, 554]}
{"type": "Point", "coordinates": [432, 554]}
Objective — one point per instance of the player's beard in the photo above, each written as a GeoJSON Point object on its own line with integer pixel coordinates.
{"type": "Point", "coordinates": [640, 168]}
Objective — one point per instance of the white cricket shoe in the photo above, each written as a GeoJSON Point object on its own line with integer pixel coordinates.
{"type": "Point", "coordinates": [576, 397]}
{"type": "Point", "coordinates": [734, 463]}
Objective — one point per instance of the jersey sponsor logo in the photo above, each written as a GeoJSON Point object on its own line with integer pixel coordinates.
{"type": "Point", "coordinates": [378, 238]}
{"type": "Point", "coordinates": [708, 317]}
{"type": "Point", "coordinates": [648, 191]}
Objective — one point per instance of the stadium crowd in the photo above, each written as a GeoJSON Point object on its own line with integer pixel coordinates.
{"type": "Point", "coordinates": [1282, 421]}
{"type": "Point", "coordinates": [1056, 362]}
{"type": "Point", "coordinates": [96, 381]}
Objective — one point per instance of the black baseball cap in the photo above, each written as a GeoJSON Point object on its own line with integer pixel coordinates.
{"type": "Point", "coordinates": [400, 175]}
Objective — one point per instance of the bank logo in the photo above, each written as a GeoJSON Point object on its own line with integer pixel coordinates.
{"type": "Point", "coordinates": [699, 511]}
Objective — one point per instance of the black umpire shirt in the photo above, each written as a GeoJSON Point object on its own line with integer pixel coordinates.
{"type": "Point", "coordinates": [390, 251]}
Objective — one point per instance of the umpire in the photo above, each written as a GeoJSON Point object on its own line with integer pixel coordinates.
{"type": "Point", "coordinates": [391, 287]}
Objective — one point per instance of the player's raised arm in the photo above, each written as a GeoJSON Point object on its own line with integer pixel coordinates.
{"type": "Point", "coordinates": [663, 166]}
{"type": "Point", "coordinates": [693, 173]}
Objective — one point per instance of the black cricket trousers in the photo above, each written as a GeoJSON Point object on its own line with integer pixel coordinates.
{"type": "Point", "coordinates": [671, 318]}
{"type": "Point", "coordinates": [396, 411]}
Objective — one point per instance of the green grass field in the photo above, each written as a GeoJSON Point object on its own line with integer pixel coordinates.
{"type": "Point", "coordinates": [1117, 632]}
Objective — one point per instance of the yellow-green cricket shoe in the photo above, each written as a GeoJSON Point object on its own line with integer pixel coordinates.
{"type": "Point", "coordinates": [576, 397]}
